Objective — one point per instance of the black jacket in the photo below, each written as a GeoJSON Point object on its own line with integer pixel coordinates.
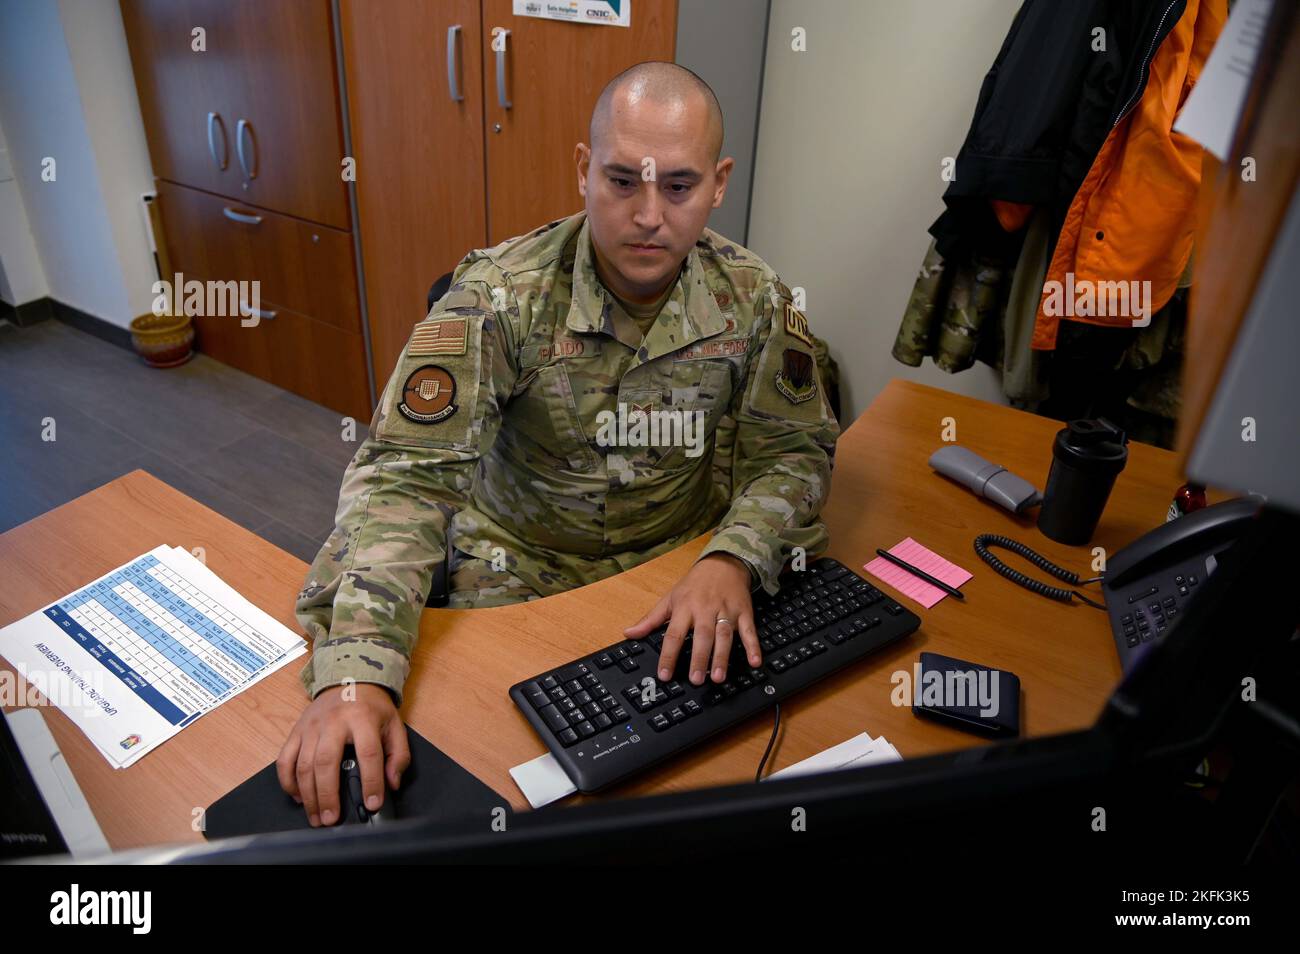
{"type": "Point", "coordinates": [1045, 108]}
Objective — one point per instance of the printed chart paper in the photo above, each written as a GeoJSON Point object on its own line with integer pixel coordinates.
{"type": "Point", "coordinates": [143, 651]}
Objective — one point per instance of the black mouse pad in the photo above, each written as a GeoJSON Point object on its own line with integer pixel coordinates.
{"type": "Point", "coordinates": [433, 787]}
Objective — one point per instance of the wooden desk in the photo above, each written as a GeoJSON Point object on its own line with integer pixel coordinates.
{"type": "Point", "coordinates": [883, 490]}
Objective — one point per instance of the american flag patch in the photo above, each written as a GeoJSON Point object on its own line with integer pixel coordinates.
{"type": "Point", "coordinates": [440, 337]}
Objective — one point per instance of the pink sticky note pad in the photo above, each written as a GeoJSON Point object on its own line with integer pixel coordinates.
{"type": "Point", "coordinates": [911, 586]}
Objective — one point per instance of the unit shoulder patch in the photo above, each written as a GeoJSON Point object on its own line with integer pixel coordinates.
{"type": "Point", "coordinates": [429, 395]}
{"type": "Point", "coordinates": [797, 380]}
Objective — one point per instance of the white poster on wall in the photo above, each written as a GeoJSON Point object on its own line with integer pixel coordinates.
{"type": "Point", "coordinates": [596, 12]}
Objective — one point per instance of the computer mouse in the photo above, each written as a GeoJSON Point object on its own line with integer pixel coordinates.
{"type": "Point", "coordinates": [352, 805]}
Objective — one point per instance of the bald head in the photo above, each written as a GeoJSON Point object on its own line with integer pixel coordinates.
{"type": "Point", "coordinates": [664, 86]}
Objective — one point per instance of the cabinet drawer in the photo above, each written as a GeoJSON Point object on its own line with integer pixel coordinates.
{"type": "Point", "coordinates": [309, 358]}
{"type": "Point", "coordinates": [306, 267]}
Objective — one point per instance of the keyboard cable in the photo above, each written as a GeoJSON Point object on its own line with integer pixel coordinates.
{"type": "Point", "coordinates": [776, 724]}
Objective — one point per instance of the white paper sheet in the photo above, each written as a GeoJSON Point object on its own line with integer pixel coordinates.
{"type": "Point", "coordinates": [1212, 109]}
{"type": "Point", "coordinates": [852, 753]}
{"type": "Point", "coordinates": [146, 649]}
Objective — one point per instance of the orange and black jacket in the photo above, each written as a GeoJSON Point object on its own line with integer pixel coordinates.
{"type": "Point", "coordinates": [1076, 116]}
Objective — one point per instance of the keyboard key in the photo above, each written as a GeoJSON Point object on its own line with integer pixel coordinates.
{"type": "Point", "coordinates": [627, 664]}
{"type": "Point", "coordinates": [575, 671]}
{"type": "Point", "coordinates": [602, 721]}
{"type": "Point", "coordinates": [660, 722]}
{"type": "Point", "coordinates": [554, 718]}
{"type": "Point", "coordinates": [567, 737]}
{"type": "Point", "coordinates": [536, 696]}
{"type": "Point", "coordinates": [586, 730]}
{"type": "Point", "coordinates": [676, 714]}
{"type": "Point", "coordinates": [692, 707]}
{"type": "Point", "coordinates": [619, 714]}
{"type": "Point", "coordinates": [604, 660]}
{"type": "Point", "coordinates": [635, 648]}
{"type": "Point", "coordinates": [590, 680]}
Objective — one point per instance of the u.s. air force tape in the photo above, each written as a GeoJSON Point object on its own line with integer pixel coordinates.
{"type": "Point", "coordinates": [428, 395]}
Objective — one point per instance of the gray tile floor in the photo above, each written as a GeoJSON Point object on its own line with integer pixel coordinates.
{"type": "Point", "coordinates": [267, 459]}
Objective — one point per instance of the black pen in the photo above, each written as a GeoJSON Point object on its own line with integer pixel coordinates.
{"type": "Point", "coordinates": [950, 590]}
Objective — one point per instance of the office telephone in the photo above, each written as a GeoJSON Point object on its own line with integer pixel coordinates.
{"type": "Point", "coordinates": [1149, 583]}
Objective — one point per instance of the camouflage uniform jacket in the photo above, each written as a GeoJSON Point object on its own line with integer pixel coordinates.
{"type": "Point", "coordinates": [491, 434]}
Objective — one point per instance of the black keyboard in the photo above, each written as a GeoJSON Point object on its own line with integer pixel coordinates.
{"type": "Point", "coordinates": [607, 715]}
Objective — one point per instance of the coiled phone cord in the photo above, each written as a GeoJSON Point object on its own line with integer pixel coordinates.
{"type": "Point", "coordinates": [1059, 593]}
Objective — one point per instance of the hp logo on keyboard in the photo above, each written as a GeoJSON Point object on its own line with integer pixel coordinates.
{"type": "Point", "coordinates": [770, 690]}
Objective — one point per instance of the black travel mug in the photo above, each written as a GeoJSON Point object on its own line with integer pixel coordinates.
{"type": "Point", "coordinates": [1087, 456]}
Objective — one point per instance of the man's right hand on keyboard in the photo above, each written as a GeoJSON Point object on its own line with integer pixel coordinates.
{"type": "Point", "coordinates": [712, 604]}
{"type": "Point", "coordinates": [308, 765]}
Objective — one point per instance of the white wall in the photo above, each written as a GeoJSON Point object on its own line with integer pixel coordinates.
{"type": "Point", "coordinates": [102, 63]}
{"type": "Point", "coordinates": [21, 277]}
{"type": "Point", "coordinates": [66, 92]}
{"type": "Point", "coordinates": [847, 178]}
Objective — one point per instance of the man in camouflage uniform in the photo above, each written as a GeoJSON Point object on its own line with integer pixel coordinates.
{"type": "Point", "coordinates": [519, 429]}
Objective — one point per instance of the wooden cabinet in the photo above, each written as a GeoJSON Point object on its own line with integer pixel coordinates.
{"type": "Point", "coordinates": [308, 338]}
{"type": "Point", "coordinates": [439, 176]}
{"type": "Point", "coordinates": [255, 114]}
{"type": "Point", "coordinates": [243, 115]}
{"type": "Point", "coordinates": [418, 135]}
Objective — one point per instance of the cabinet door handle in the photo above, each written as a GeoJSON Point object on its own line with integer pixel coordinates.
{"type": "Point", "coordinates": [249, 165]}
{"type": "Point", "coordinates": [245, 310]}
{"type": "Point", "coordinates": [502, 96]}
{"type": "Point", "coordinates": [244, 217]}
{"type": "Point", "coordinates": [214, 122]}
{"type": "Point", "coordinates": [453, 64]}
